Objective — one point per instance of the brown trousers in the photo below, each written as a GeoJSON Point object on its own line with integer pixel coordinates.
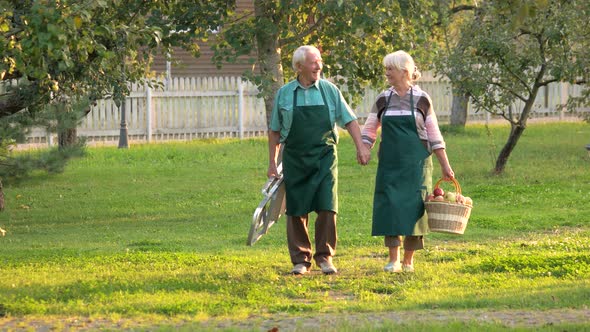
{"type": "Point", "coordinates": [300, 244]}
{"type": "Point", "coordinates": [411, 242]}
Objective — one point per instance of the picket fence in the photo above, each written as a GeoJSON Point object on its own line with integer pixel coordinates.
{"type": "Point", "coordinates": [218, 107]}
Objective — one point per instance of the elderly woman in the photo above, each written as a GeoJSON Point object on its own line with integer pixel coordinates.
{"type": "Point", "coordinates": [409, 133]}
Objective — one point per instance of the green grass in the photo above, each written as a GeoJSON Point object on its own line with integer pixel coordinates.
{"type": "Point", "coordinates": [158, 232]}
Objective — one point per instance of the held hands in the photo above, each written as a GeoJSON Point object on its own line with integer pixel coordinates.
{"type": "Point", "coordinates": [363, 154]}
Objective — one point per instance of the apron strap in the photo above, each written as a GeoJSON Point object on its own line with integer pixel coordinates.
{"type": "Point", "coordinates": [389, 99]}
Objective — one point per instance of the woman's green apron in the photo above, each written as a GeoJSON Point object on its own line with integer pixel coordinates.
{"type": "Point", "coordinates": [310, 159]}
{"type": "Point", "coordinates": [403, 176]}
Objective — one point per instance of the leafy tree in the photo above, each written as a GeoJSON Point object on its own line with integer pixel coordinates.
{"type": "Point", "coordinates": [353, 36]}
{"type": "Point", "coordinates": [453, 15]}
{"type": "Point", "coordinates": [59, 56]}
{"type": "Point", "coordinates": [504, 56]}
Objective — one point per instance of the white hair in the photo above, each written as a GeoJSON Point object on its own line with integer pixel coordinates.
{"type": "Point", "coordinates": [402, 61]}
{"type": "Point", "coordinates": [300, 54]}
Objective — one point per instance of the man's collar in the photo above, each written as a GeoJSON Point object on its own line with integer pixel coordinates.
{"type": "Point", "coordinates": [315, 84]}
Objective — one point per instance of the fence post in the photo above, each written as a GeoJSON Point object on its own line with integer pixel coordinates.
{"type": "Point", "coordinates": [240, 108]}
{"type": "Point", "coordinates": [50, 138]}
{"type": "Point", "coordinates": [148, 110]}
{"type": "Point", "coordinates": [563, 99]}
{"type": "Point", "coordinates": [123, 131]}
{"type": "Point", "coordinates": [168, 71]}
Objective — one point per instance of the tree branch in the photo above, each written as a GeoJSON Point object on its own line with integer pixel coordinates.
{"type": "Point", "coordinates": [13, 32]}
{"type": "Point", "coordinates": [457, 9]}
{"type": "Point", "coordinates": [238, 18]}
{"type": "Point", "coordinates": [508, 118]}
{"type": "Point", "coordinates": [11, 104]}
{"type": "Point", "coordinates": [547, 82]}
{"type": "Point", "coordinates": [518, 78]}
{"type": "Point", "coordinates": [482, 106]}
{"type": "Point", "coordinates": [461, 8]}
{"type": "Point", "coordinates": [503, 87]}
{"type": "Point", "coordinates": [304, 33]}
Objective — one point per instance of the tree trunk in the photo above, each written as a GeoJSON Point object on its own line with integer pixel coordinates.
{"type": "Point", "coordinates": [269, 52]}
{"type": "Point", "coordinates": [515, 133]}
{"type": "Point", "coordinates": [459, 110]}
{"type": "Point", "coordinates": [516, 130]}
{"type": "Point", "coordinates": [67, 138]}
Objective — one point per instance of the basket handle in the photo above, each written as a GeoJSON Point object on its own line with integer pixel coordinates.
{"type": "Point", "coordinates": [454, 181]}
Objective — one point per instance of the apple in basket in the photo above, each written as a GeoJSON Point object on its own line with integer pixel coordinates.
{"type": "Point", "coordinates": [450, 197]}
{"type": "Point", "coordinates": [438, 192]}
{"type": "Point", "coordinates": [460, 199]}
{"type": "Point", "coordinates": [429, 198]}
{"type": "Point", "coordinates": [438, 199]}
{"type": "Point", "coordinates": [468, 201]}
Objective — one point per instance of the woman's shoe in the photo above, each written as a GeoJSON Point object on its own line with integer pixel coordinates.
{"type": "Point", "coordinates": [393, 267]}
{"type": "Point", "coordinates": [408, 268]}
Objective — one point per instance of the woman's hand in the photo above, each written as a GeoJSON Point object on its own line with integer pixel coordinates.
{"type": "Point", "coordinates": [363, 154]}
{"type": "Point", "coordinates": [445, 166]}
{"type": "Point", "coordinates": [447, 173]}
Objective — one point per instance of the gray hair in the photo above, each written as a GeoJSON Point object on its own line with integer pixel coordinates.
{"type": "Point", "coordinates": [300, 54]}
{"type": "Point", "coordinates": [403, 61]}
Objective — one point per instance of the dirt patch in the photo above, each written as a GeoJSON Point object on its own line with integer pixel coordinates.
{"type": "Point", "coordinates": [322, 322]}
{"type": "Point", "coordinates": [508, 318]}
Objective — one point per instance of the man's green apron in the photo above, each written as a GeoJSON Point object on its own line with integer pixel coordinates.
{"type": "Point", "coordinates": [310, 159]}
{"type": "Point", "coordinates": [403, 175]}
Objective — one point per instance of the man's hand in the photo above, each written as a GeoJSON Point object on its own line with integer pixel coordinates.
{"type": "Point", "coordinates": [273, 151]}
{"type": "Point", "coordinates": [272, 171]}
{"type": "Point", "coordinates": [363, 154]}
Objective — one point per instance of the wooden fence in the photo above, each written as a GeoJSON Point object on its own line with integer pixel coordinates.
{"type": "Point", "coordinates": [188, 108]}
{"type": "Point", "coordinates": [207, 107]}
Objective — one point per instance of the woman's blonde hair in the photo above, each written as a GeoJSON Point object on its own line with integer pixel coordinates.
{"type": "Point", "coordinates": [402, 61]}
{"type": "Point", "coordinates": [300, 54]}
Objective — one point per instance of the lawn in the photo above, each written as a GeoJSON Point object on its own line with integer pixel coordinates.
{"type": "Point", "coordinates": [155, 237]}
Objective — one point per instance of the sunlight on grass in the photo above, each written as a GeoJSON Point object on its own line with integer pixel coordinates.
{"type": "Point", "coordinates": [160, 231]}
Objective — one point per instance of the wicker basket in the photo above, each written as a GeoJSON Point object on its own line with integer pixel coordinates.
{"type": "Point", "coordinates": [446, 217]}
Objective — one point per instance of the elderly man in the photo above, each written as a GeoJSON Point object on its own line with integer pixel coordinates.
{"type": "Point", "coordinates": [304, 119]}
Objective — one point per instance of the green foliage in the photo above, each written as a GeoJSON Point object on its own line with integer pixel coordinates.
{"type": "Point", "coordinates": [63, 55]}
{"type": "Point", "coordinates": [85, 48]}
{"type": "Point", "coordinates": [504, 52]}
{"type": "Point", "coordinates": [354, 36]}
{"type": "Point", "coordinates": [158, 232]}
{"type": "Point", "coordinates": [52, 161]}
{"type": "Point", "coordinates": [56, 117]}
{"type": "Point", "coordinates": [507, 50]}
